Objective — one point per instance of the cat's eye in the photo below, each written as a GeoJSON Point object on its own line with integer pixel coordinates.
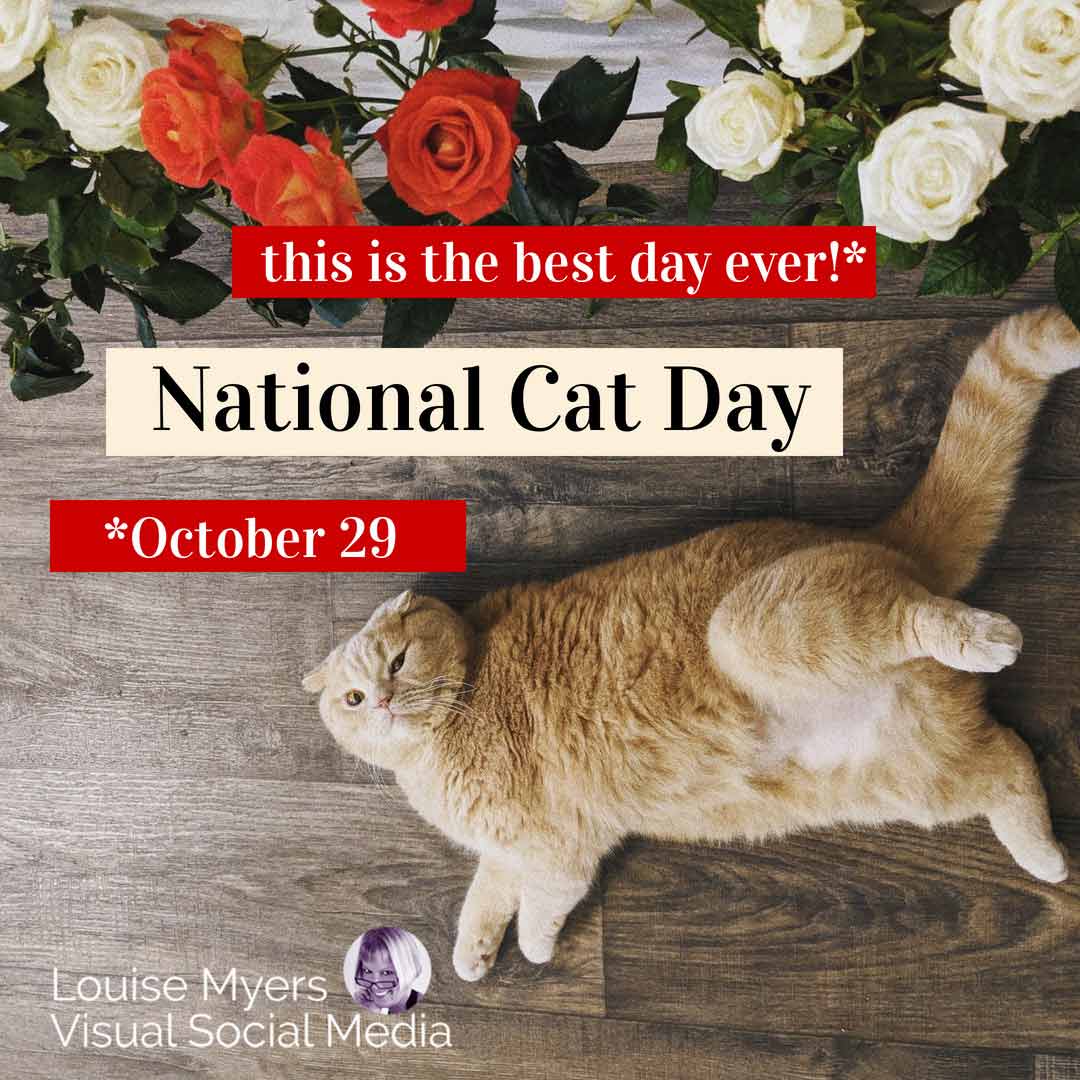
{"type": "Point", "coordinates": [397, 663]}
{"type": "Point", "coordinates": [354, 698]}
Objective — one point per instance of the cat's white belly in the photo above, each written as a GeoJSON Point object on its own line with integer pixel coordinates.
{"type": "Point", "coordinates": [830, 731]}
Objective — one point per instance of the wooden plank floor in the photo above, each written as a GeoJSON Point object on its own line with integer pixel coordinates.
{"type": "Point", "coordinates": [168, 798]}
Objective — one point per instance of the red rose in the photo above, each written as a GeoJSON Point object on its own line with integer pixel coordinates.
{"type": "Point", "coordinates": [279, 183]}
{"type": "Point", "coordinates": [196, 119]}
{"type": "Point", "coordinates": [224, 44]}
{"type": "Point", "coordinates": [449, 145]}
{"type": "Point", "coordinates": [397, 16]}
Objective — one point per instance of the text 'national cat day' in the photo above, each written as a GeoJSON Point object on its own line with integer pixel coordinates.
{"type": "Point", "coordinates": [602, 262]}
{"type": "Point", "coordinates": [514, 402]}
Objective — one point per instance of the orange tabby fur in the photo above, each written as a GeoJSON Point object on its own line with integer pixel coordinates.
{"type": "Point", "coordinates": [753, 680]}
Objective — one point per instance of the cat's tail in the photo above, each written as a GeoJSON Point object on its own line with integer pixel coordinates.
{"type": "Point", "coordinates": [956, 510]}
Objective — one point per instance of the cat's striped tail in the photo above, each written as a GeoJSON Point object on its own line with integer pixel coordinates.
{"type": "Point", "coordinates": [956, 510]}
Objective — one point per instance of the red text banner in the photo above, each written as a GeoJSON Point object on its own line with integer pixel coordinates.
{"type": "Point", "coordinates": [658, 262]}
{"type": "Point", "coordinates": [298, 535]}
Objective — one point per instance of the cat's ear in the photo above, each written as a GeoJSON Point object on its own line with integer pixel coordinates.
{"type": "Point", "coordinates": [402, 603]}
{"type": "Point", "coordinates": [315, 680]}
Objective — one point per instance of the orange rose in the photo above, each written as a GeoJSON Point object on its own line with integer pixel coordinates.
{"type": "Point", "coordinates": [449, 145]}
{"type": "Point", "coordinates": [397, 16]}
{"type": "Point", "coordinates": [224, 44]}
{"type": "Point", "coordinates": [278, 183]}
{"type": "Point", "coordinates": [196, 119]}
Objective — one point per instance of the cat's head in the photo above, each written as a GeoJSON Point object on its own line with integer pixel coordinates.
{"type": "Point", "coordinates": [383, 689]}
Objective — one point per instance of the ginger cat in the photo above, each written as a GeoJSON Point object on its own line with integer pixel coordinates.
{"type": "Point", "coordinates": [756, 679]}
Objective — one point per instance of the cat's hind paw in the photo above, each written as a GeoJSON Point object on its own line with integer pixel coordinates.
{"type": "Point", "coordinates": [972, 640]}
{"type": "Point", "coordinates": [472, 960]}
{"type": "Point", "coordinates": [537, 950]}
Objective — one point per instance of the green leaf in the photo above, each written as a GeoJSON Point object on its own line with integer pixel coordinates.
{"type": "Point", "coordinates": [556, 184]}
{"type": "Point", "coordinates": [690, 91]}
{"type": "Point", "coordinates": [1041, 181]}
{"type": "Point", "coordinates": [702, 192]}
{"type": "Point", "coordinates": [390, 209]}
{"type": "Point", "coordinates": [469, 30]}
{"type": "Point", "coordinates": [637, 200]}
{"type": "Point", "coordinates": [828, 130]}
{"type": "Point", "coordinates": [30, 385]}
{"type": "Point", "coordinates": [262, 62]}
{"type": "Point", "coordinates": [53, 179]}
{"type": "Point", "coordinates": [47, 363]}
{"type": "Point", "coordinates": [78, 228]}
{"type": "Point", "coordinates": [312, 88]}
{"type": "Point", "coordinates": [830, 215]}
{"type": "Point", "coordinates": [797, 214]}
{"type": "Point", "coordinates": [526, 123]}
{"type": "Point", "coordinates": [736, 21]}
{"type": "Point", "coordinates": [1067, 277]}
{"type": "Point", "coordinates": [144, 328]}
{"type": "Point", "coordinates": [739, 64]}
{"type": "Point", "coordinates": [847, 191]}
{"type": "Point", "coordinates": [774, 187]}
{"type": "Point", "coordinates": [671, 152]}
{"type": "Point", "coordinates": [339, 312]}
{"type": "Point", "coordinates": [10, 168]}
{"type": "Point", "coordinates": [23, 107]}
{"type": "Point", "coordinates": [898, 255]}
{"type": "Point", "coordinates": [520, 203]}
{"type": "Point", "coordinates": [126, 256]}
{"type": "Point", "coordinates": [584, 105]}
{"type": "Point", "coordinates": [902, 34]}
{"type": "Point", "coordinates": [181, 290]}
{"type": "Point", "coordinates": [478, 61]}
{"type": "Point", "coordinates": [17, 279]}
{"type": "Point", "coordinates": [897, 88]}
{"type": "Point", "coordinates": [984, 257]}
{"type": "Point", "coordinates": [89, 286]}
{"type": "Point", "coordinates": [135, 188]}
{"type": "Point", "coordinates": [56, 346]}
{"type": "Point", "coordinates": [275, 312]}
{"type": "Point", "coordinates": [292, 310]}
{"type": "Point", "coordinates": [179, 236]}
{"type": "Point", "coordinates": [412, 323]}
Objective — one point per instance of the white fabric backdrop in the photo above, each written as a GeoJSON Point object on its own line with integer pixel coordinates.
{"type": "Point", "coordinates": [538, 39]}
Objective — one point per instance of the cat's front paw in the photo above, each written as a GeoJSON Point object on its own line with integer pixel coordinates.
{"type": "Point", "coordinates": [536, 949]}
{"type": "Point", "coordinates": [473, 959]}
{"type": "Point", "coordinates": [1046, 862]}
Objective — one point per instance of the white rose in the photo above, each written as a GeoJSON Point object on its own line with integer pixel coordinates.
{"type": "Point", "coordinates": [24, 29]}
{"type": "Point", "coordinates": [927, 171]}
{"type": "Point", "coordinates": [739, 127]}
{"type": "Point", "coordinates": [1024, 55]}
{"type": "Point", "coordinates": [94, 77]}
{"type": "Point", "coordinates": [812, 36]}
{"type": "Point", "coordinates": [613, 12]}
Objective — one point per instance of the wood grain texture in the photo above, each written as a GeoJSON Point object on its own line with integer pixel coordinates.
{"type": "Point", "coordinates": [1055, 1067]}
{"type": "Point", "coordinates": [501, 1045]}
{"type": "Point", "coordinates": [105, 871]}
{"type": "Point", "coordinates": [894, 935]}
{"type": "Point", "coordinates": [161, 637]}
{"type": "Point", "coordinates": [169, 798]}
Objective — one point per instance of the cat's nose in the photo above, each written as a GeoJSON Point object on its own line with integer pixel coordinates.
{"type": "Point", "coordinates": [384, 703]}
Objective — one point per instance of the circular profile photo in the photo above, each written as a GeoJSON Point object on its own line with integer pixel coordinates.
{"type": "Point", "coordinates": [387, 970]}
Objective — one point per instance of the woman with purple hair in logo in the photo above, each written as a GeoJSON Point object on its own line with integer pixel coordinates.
{"type": "Point", "coordinates": [387, 970]}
